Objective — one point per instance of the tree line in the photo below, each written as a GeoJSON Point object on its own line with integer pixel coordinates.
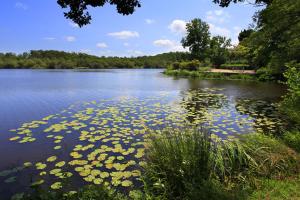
{"type": "Point", "coordinates": [39, 59]}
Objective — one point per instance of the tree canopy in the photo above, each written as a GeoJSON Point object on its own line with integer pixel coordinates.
{"type": "Point", "coordinates": [276, 40]}
{"type": "Point", "coordinates": [78, 8]}
{"type": "Point", "coordinates": [245, 34]}
{"type": "Point", "coordinates": [197, 38]}
{"type": "Point", "coordinates": [226, 3]}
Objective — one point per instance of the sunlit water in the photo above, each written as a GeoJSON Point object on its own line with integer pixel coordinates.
{"type": "Point", "coordinates": [108, 113]}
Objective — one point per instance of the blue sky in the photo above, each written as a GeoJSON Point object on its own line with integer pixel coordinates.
{"type": "Point", "coordinates": [156, 27]}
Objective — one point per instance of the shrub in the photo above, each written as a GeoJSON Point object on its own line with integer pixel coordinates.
{"type": "Point", "coordinates": [291, 103]}
{"type": "Point", "coordinates": [292, 139]}
{"type": "Point", "coordinates": [190, 65]}
{"type": "Point", "coordinates": [265, 74]}
{"type": "Point", "coordinates": [175, 66]}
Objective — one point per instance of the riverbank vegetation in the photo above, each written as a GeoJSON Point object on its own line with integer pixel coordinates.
{"type": "Point", "coordinates": [65, 60]}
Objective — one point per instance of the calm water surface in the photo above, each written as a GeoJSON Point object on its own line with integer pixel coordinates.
{"type": "Point", "coordinates": [28, 95]}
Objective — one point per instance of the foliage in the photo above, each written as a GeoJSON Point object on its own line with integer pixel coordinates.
{"type": "Point", "coordinates": [188, 164]}
{"type": "Point", "coordinates": [179, 166]}
{"type": "Point", "coordinates": [239, 54]}
{"type": "Point", "coordinates": [64, 60]}
{"type": "Point", "coordinates": [292, 139]}
{"type": "Point", "coordinates": [202, 46]}
{"type": "Point", "coordinates": [225, 3]}
{"type": "Point", "coordinates": [187, 65]}
{"type": "Point", "coordinates": [204, 74]}
{"type": "Point", "coordinates": [197, 38]}
{"type": "Point", "coordinates": [245, 34]}
{"type": "Point", "coordinates": [77, 8]}
{"type": "Point", "coordinates": [276, 39]}
{"type": "Point", "coordinates": [291, 103]}
{"type": "Point", "coordinates": [273, 159]}
{"type": "Point", "coordinates": [218, 50]}
{"type": "Point", "coordinates": [265, 74]}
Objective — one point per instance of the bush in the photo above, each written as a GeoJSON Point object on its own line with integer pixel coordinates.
{"type": "Point", "coordinates": [175, 66]}
{"type": "Point", "coordinates": [292, 139]}
{"type": "Point", "coordinates": [190, 65]}
{"type": "Point", "coordinates": [291, 103]}
{"type": "Point", "coordinates": [265, 74]}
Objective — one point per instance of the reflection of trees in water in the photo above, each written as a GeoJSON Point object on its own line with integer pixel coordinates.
{"type": "Point", "coordinates": [265, 115]}
{"type": "Point", "coordinates": [198, 102]}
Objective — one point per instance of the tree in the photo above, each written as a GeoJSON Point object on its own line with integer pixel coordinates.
{"type": "Point", "coordinates": [245, 34]}
{"type": "Point", "coordinates": [78, 8]}
{"type": "Point", "coordinates": [218, 50]}
{"type": "Point", "coordinates": [276, 42]}
{"type": "Point", "coordinates": [197, 38]}
{"type": "Point", "coordinates": [226, 3]}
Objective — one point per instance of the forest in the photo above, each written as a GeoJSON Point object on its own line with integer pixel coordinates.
{"type": "Point", "coordinates": [40, 59]}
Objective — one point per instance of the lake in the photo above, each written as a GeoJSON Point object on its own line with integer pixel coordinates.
{"type": "Point", "coordinates": [90, 126]}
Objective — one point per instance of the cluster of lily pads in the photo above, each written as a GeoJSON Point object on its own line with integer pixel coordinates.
{"type": "Point", "coordinates": [103, 142]}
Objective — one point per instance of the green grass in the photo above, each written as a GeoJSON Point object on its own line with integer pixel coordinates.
{"type": "Point", "coordinates": [207, 75]}
{"type": "Point", "coordinates": [273, 189]}
{"type": "Point", "coordinates": [187, 165]}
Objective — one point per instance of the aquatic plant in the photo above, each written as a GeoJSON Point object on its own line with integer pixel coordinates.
{"type": "Point", "coordinates": [103, 142]}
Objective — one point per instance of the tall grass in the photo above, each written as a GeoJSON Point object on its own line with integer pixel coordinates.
{"type": "Point", "coordinates": [188, 164]}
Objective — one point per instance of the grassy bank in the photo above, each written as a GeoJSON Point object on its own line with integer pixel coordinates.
{"type": "Point", "coordinates": [209, 75]}
{"type": "Point", "coordinates": [188, 164]}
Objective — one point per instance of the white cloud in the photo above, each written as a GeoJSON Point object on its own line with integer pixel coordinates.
{"type": "Point", "coordinates": [178, 26]}
{"type": "Point", "coordinates": [149, 21]}
{"type": "Point", "coordinates": [101, 45]}
{"type": "Point", "coordinates": [124, 34]}
{"type": "Point", "coordinates": [49, 38]}
{"type": "Point", "coordinates": [70, 38]}
{"type": "Point", "coordinates": [73, 25]}
{"type": "Point", "coordinates": [135, 53]}
{"type": "Point", "coordinates": [163, 43]}
{"type": "Point", "coordinates": [126, 44]}
{"type": "Point", "coordinates": [169, 45]}
{"type": "Point", "coordinates": [216, 30]}
{"type": "Point", "coordinates": [87, 51]}
{"type": "Point", "coordinates": [217, 16]}
{"type": "Point", "coordinates": [21, 6]}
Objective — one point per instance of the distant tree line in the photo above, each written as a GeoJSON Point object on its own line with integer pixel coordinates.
{"type": "Point", "coordinates": [51, 59]}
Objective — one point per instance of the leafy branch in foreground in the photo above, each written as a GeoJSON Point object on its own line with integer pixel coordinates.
{"type": "Point", "coordinates": [77, 8]}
